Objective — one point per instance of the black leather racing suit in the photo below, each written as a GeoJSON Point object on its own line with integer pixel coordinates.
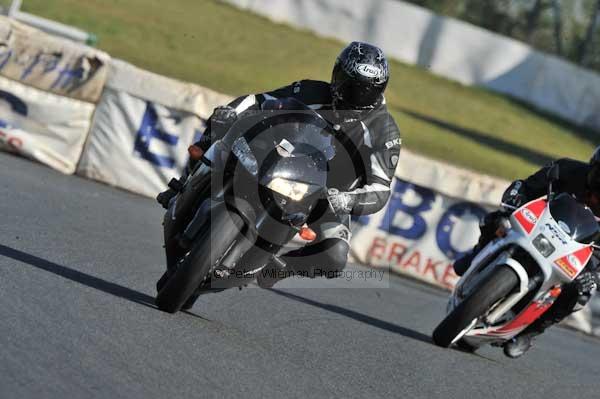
{"type": "Point", "coordinates": [572, 180]}
{"type": "Point", "coordinates": [367, 152]}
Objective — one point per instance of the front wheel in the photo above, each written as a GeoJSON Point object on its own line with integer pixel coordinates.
{"type": "Point", "coordinates": [492, 289]}
{"type": "Point", "coordinates": [196, 266]}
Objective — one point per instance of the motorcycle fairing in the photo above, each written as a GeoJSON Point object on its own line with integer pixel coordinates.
{"type": "Point", "coordinates": [563, 265]}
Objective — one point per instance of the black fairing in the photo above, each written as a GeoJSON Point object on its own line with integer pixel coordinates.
{"type": "Point", "coordinates": [576, 218]}
{"type": "Point", "coordinates": [286, 141]}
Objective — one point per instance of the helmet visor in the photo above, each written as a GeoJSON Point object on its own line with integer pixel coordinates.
{"type": "Point", "coordinates": [359, 94]}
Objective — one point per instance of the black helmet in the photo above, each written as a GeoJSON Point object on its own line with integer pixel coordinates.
{"type": "Point", "coordinates": [360, 75]}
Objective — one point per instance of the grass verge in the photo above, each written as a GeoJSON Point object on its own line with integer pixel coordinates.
{"type": "Point", "coordinates": [232, 51]}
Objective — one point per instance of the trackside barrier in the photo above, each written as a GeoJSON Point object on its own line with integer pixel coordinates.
{"type": "Point", "coordinates": [48, 87]}
{"type": "Point", "coordinates": [450, 48]}
{"type": "Point", "coordinates": [142, 124]}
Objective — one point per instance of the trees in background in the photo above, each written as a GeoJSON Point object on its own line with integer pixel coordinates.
{"type": "Point", "coordinates": [568, 28]}
{"type": "Point", "coordinates": [585, 48]}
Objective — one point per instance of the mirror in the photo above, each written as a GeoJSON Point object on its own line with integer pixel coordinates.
{"type": "Point", "coordinates": [553, 175]}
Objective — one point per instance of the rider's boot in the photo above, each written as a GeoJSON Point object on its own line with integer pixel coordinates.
{"type": "Point", "coordinates": [520, 344]}
{"type": "Point", "coordinates": [564, 305]}
{"type": "Point", "coordinates": [462, 265]}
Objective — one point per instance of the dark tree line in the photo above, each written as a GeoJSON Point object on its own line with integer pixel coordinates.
{"type": "Point", "coordinates": [568, 28]}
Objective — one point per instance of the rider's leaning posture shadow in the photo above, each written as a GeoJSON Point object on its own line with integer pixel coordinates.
{"type": "Point", "coordinates": [79, 277]}
{"type": "Point", "coordinates": [384, 325]}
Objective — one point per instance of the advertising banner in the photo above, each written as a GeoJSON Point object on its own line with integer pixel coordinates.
{"type": "Point", "coordinates": [142, 128]}
{"type": "Point", "coordinates": [49, 63]}
{"type": "Point", "coordinates": [136, 144]}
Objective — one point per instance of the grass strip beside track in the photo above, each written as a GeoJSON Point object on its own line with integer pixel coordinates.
{"type": "Point", "coordinates": [232, 51]}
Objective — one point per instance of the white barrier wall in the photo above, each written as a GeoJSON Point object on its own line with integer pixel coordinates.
{"type": "Point", "coordinates": [450, 48]}
{"type": "Point", "coordinates": [48, 87]}
{"type": "Point", "coordinates": [142, 128]}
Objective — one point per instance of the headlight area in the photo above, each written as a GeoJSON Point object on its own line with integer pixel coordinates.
{"type": "Point", "coordinates": [291, 189]}
{"type": "Point", "coordinates": [543, 245]}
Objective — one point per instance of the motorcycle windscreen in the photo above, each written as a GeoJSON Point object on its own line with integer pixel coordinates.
{"type": "Point", "coordinates": [297, 134]}
{"type": "Point", "coordinates": [575, 219]}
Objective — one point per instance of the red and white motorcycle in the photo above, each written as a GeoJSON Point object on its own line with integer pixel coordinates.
{"type": "Point", "coordinates": [517, 277]}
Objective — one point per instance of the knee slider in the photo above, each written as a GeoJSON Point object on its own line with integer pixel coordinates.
{"type": "Point", "coordinates": [335, 256]}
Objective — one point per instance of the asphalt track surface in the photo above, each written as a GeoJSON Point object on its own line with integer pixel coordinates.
{"type": "Point", "coordinates": [78, 262]}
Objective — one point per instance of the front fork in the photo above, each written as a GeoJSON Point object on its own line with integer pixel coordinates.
{"type": "Point", "coordinates": [252, 252]}
{"type": "Point", "coordinates": [182, 209]}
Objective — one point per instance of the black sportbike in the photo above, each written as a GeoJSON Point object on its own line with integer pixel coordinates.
{"type": "Point", "coordinates": [250, 194]}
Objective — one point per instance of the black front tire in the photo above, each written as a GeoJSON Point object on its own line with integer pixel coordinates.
{"type": "Point", "coordinates": [195, 267]}
{"type": "Point", "coordinates": [493, 288]}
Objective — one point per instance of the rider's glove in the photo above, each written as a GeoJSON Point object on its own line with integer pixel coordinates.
{"type": "Point", "coordinates": [221, 120]}
{"type": "Point", "coordinates": [586, 282]}
{"type": "Point", "coordinates": [341, 203]}
{"type": "Point", "coordinates": [513, 196]}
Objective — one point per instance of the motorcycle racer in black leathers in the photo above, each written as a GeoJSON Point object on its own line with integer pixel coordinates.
{"type": "Point", "coordinates": [359, 182]}
{"type": "Point", "coordinates": [580, 179]}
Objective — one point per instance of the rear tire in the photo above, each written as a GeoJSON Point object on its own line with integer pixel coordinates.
{"type": "Point", "coordinates": [196, 266]}
{"type": "Point", "coordinates": [493, 288]}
